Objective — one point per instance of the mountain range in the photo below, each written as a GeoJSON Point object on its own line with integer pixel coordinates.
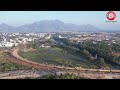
{"type": "Point", "coordinates": [47, 26]}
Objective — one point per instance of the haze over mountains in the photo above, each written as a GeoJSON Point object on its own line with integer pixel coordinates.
{"type": "Point", "coordinates": [48, 26]}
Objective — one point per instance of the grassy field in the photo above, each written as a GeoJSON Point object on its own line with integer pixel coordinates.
{"type": "Point", "coordinates": [56, 56]}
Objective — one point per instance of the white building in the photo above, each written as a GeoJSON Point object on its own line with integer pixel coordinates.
{"type": "Point", "coordinates": [8, 44]}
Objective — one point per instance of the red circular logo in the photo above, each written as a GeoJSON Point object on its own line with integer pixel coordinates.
{"type": "Point", "coordinates": [111, 15]}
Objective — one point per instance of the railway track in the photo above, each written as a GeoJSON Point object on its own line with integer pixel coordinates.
{"type": "Point", "coordinates": [15, 58]}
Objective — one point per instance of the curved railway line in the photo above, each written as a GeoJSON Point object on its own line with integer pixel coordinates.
{"type": "Point", "coordinates": [15, 58]}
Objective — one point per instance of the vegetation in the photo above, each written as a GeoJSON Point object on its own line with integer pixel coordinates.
{"type": "Point", "coordinates": [11, 66]}
{"type": "Point", "coordinates": [57, 56]}
{"type": "Point", "coordinates": [106, 54]}
{"type": "Point", "coordinates": [62, 76]}
{"type": "Point", "coordinates": [85, 54]}
{"type": "Point", "coordinates": [5, 65]}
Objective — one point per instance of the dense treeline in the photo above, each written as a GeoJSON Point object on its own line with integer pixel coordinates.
{"type": "Point", "coordinates": [101, 52]}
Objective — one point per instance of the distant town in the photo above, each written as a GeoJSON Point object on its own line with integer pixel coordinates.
{"type": "Point", "coordinates": [9, 40]}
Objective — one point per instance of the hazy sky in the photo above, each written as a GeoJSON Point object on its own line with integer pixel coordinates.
{"type": "Point", "coordinates": [96, 18]}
